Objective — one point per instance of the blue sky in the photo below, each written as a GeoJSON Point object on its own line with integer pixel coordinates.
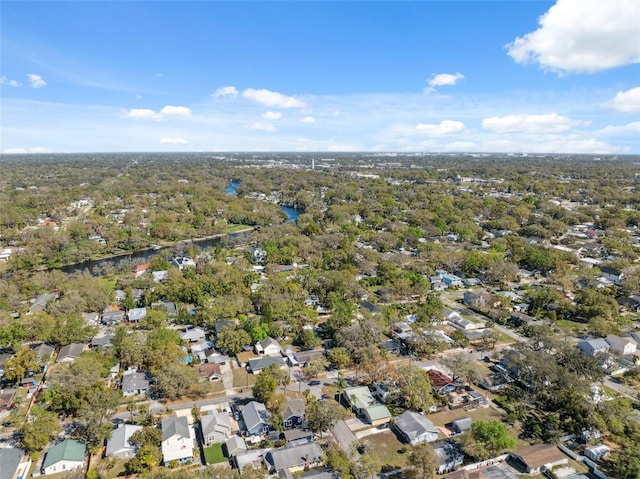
{"type": "Point", "coordinates": [481, 76]}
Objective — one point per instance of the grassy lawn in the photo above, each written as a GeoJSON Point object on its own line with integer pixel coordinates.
{"type": "Point", "coordinates": [215, 387]}
{"type": "Point", "coordinates": [573, 326]}
{"type": "Point", "coordinates": [213, 454]}
{"type": "Point", "coordinates": [387, 448]}
{"type": "Point", "coordinates": [116, 469]}
{"type": "Point", "coordinates": [242, 379]}
{"type": "Point", "coordinates": [445, 417]}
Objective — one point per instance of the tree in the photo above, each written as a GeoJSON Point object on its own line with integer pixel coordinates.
{"type": "Point", "coordinates": [422, 461]}
{"type": "Point", "coordinates": [231, 340]}
{"type": "Point", "coordinates": [39, 430]}
{"type": "Point", "coordinates": [339, 358]}
{"type": "Point", "coordinates": [492, 435]}
{"type": "Point", "coordinates": [413, 388]}
{"type": "Point", "coordinates": [323, 414]}
{"type": "Point", "coordinates": [307, 339]}
{"type": "Point", "coordinates": [264, 387]}
{"type": "Point", "coordinates": [461, 367]}
{"type": "Point", "coordinates": [176, 380]}
{"type": "Point", "coordinates": [25, 361]}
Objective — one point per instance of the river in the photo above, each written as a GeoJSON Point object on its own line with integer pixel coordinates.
{"type": "Point", "coordinates": [96, 267]}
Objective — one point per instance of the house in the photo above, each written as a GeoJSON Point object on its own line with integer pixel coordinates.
{"type": "Point", "coordinates": [440, 382]}
{"type": "Point", "coordinates": [303, 358]}
{"type": "Point", "coordinates": [12, 465]}
{"type": "Point", "coordinates": [7, 398]}
{"type": "Point", "coordinates": [452, 281]}
{"type": "Point", "coordinates": [177, 441]}
{"type": "Point", "coordinates": [259, 255]}
{"type": "Point", "coordinates": [495, 382]}
{"type": "Point", "coordinates": [112, 317]}
{"type": "Point", "coordinates": [134, 383]}
{"type": "Point", "coordinates": [297, 436]}
{"type": "Point", "coordinates": [160, 276]}
{"type": "Point", "coordinates": [449, 456]}
{"type": "Point", "coordinates": [361, 401]}
{"type": "Point", "coordinates": [535, 459]}
{"type": "Point", "coordinates": [253, 458]}
{"type": "Point", "coordinates": [44, 351]}
{"type": "Point", "coordinates": [102, 341]}
{"type": "Point", "coordinates": [613, 274]}
{"type": "Point", "coordinates": [209, 372]}
{"type": "Point", "coordinates": [293, 414]}
{"type": "Point", "coordinates": [256, 365]}
{"type": "Point", "coordinates": [255, 417]}
{"type": "Point", "coordinates": [461, 425]}
{"type": "Point", "coordinates": [140, 269]}
{"type": "Point", "coordinates": [491, 472]}
{"type": "Point", "coordinates": [267, 347]}
{"type": "Point", "coordinates": [136, 314]}
{"type": "Point", "coordinates": [40, 303]}
{"type": "Point", "coordinates": [70, 352]}
{"type": "Point", "coordinates": [65, 456]}
{"type": "Point", "coordinates": [594, 346]}
{"type": "Point", "coordinates": [91, 319]}
{"type": "Point", "coordinates": [235, 445]}
{"type": "Point", "coordinates": [193, 335]}
{"type": "Point", "coordinates": [596, 452]}
{"type": "Point", "coordinates": [620, 345]}
{"type": "Point", "coordinates": [169, 306]}
{"type": "Point", "coordinates": [294, 458]}
{"type": "Point", "coordinates": [118, 445]}
{"type": "Point", "coordinates": [414, 428]}
{"type": "Point", "coordinates": [521, 319]}
{"type": "Point", "coordinates": [215, 428]}
{"type": "Point", "coordinates": [481, 299]}
{"type": "Point", "coordinates": [369, 306]}
{"type": "Point", "coordinates": [183, 262]}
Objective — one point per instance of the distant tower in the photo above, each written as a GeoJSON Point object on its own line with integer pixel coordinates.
{"type": "Point", "coordinates": [313, 163]}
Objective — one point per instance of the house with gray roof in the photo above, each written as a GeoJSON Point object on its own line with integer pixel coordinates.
{"type": "Point", "coordinates": [461, 425]}
{"type": "Point", "coordinates": [134, 383]}
{"type": "Point", "coordinates": [294, 458]}
{"type": "Point", "coordinates": [593, 346]}
{"type": "Point", "coordinates": [44, 351]}
{"type": "Point", "coordinates": [112, 317]}
{"type": "Point", "coordinates": [449, 456]}
{"type": "Point", "coordinates": [177, 441]}
{"type": "Point", "coordinates": [215, 428]}
{"type": "Point", "coordinates": [268, 347]}
{"type": "Point", "coordinates": [253, 458]}
{"type": "Point", "coordinates": [193, 335]}
{"type": "Point", "coordinates": [65, 456]}
{"type": "Point", "coordinates": [10, 459]}
{"type": "Point", "coordinates": [293, 414]}
{"type": "Point", "coordinates": [255, 417]}
{"type": "Point", "coordinates": [256, 365]}
{"type": "Point", "coordinates": [40, 303]}
{"type": "Point", "coordinates": [414, 428]}
{"type": "Point", "coordinates": [119, 444]}
{"type": "Point", "coordinates": [136, 314]}
{"type": "Point", "coordinates": [70, 352]}
{"type": "Point", "coordinates": [235, 445]}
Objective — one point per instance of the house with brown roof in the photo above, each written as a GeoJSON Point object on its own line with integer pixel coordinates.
{"type": "Point", "coordinates": [209, 372]}
{"type": "Point", "coordinates": [440, 382]}
{"type": "Point", "coordinates": [538, 458]}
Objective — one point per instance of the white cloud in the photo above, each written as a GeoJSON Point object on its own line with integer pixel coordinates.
{"type": "Point", "coordinates": [582, 36]}
{"type": "Point", "coordinates": [36, 81]}
{"type": "Point", "coordinates": [262, 126]}
{"type": "Point", "coordinates": [551, 122]}
{"type": "Point", "coordinates": [336, 147]}
{"type": "Point", "coordinates": [171, 110]}
{"type": "Point", "coordinates": [272, 98]}
{"type": "Point", "coordinates": [5, 81]}
{"type": "Point", "coordinates": [173, 141]}
{"type": "Point", "coordinates": [308, 119]}
{"type": "Point", "coordinates": [443, 79]}
{"type": "Point", "coordinates": [445, 127]}
{"type": "Point", "coordinates": [272, 115]}
{"type": "Point", "coordinates": [630, 129]}
{"type": "Point", "coordinates": [626, 101]}
{"type": "Point", "coordinates": [143, 114]}
{"type": "Point", "coordinates": [167, 111]}
{"type": "Point", "coordinates": [23, 151]}
{"type": "Point", "coordinates": [225, 92]}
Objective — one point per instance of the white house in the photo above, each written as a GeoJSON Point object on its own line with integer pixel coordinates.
{"type": "Point", "coordinates": [193, 335]}
{"type": "Point", "coordinates": [65, 456]}
{"type": "Point", "coordinates": [216, 428]}
{"type": "Point", "coordinates": [118, 445]}
{"type": "Point", "coordinates": [177, 441]}
{"type": "Point", "coordinates": [414, 428]}
{"type": "Point", "coordinates": [620, 345]}
{"type": "Point", "coordinates": [268, 347]}
{"type": "Point", "coordinates": [594, 346]}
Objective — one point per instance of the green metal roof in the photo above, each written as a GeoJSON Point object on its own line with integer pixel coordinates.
{"type": "Point", "coordinates": [67, 450]}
